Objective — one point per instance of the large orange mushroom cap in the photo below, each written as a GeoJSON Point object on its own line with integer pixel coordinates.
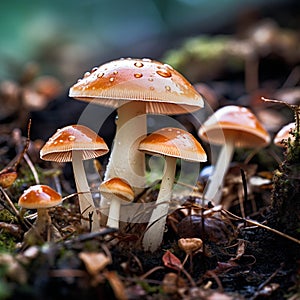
{"type": "Point", "coordinates": [39, 196]}
{"type": "Point", "coordinates": [237, 124]}
{"type": "Point", "coordinates": [164, 90]}
{"type": "Point", "coordinates": [73, 138]}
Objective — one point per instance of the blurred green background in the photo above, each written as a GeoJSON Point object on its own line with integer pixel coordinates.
{"type": "Point", "coordinates": [67, 37]}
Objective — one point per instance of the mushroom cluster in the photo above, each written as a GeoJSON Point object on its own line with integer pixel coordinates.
{"type": "Point", "coordinates": [135, 87]}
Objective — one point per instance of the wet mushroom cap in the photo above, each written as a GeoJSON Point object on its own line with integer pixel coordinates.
{"type": "Point", "coordinates": [73, 138]}
{"type": "Point", "coordinates": [39, 196]}
{"type": "Point", "coordinates": [164, 90]}
{"type": "Point", "coordinates": [117, 187]}
{"type": "Point", "coordinates": [173, 142]}
{"type": "Point", "coordinates": [236, 124]}
{"type": "Point", "coordinates": [283, 134]}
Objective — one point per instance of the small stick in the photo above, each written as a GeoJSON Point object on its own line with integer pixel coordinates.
{"type": "Point", "coordinates": [252, 222]}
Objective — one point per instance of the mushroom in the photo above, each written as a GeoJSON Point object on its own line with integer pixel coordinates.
{"type": "Point", "coordinates": [135, 87]}
{"type": "Point", "coordinates": [116, 190]}
{"type": "Point", "coordinates": [284, 134]}
{"type": "Point", "coordinates": [231, 126]}
{"type": "Point", "coordinates": [172, 143]}
{"type": "Point", "coordinates": [41, 198]}
{"type": "Point", "coordinates": [77, 143]}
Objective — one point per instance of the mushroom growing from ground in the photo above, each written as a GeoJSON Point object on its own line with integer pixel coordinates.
{"type": "Point", "coordinates": [231, 126]}
{"type": "Point", "coordinates": [41, 198]}
{"type": "Point", "coordinates": [117, 191]}
{"type": "Point", "coordinates": [77, 143]}
{"type": "Point", "coordinates": [172, 143]}
{"type": "Point", "coordinates": [135, 87]}
{"type": "Point", "coordinates": [284, 134]}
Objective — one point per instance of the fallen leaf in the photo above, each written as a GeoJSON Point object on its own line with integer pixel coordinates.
{"type": "Point", "coordinates": [94, 261]}
{"type": "Point", "coordinates": [171, 261]}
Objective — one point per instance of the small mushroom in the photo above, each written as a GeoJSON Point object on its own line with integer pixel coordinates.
{"type": "Point", "coordinates": [231, 126]}
{"type": "Point", "coordinates": [190, 246]}
{"type": "Point", "coordinates": [41, 198]}
{"type": "Point", "coordinates": [77, 143]}
{"type": "Point", "coordinates": [117, 191]}
{"type": "Point", "coordinates": [172, 143]}
{"type": "Point", "coordinates": [284, 134]}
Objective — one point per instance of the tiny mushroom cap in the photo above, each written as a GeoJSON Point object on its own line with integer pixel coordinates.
{"type": "Point", "coordinates": [39, 196]}
{"type": "Point", "coordinates": [117, 187]}
{"type": "Point", "coordinates": [230, 126]}
{"type": "Point", "coordinates": [190, 245]}
{"type": "Point", "coordinates": [283, 134]}
{"type": "Point", "coordinates": [234, 123]}
{"type": "Point", "coordinates": [173, 142]}
{"type": "Point", "coordinates": [116, 190]}
{"type": "Point", "coordinates": [163, 89]}
{"type": "Point", "coordinates": [71, 138]}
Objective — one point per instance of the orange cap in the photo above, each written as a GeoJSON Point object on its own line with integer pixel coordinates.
{"type": "Point", "coordinates": [237, 124]}
{"type": "Point", "coordinates": [117, 187]}
{"type": "Point", "coordinates": [174, 142]}
{"type": "Point", "coordinates": [164, 90]}
{"type": "Point", "coordinates": [39, 196]}
{"type": "Point", "coordinates": [73, 138]}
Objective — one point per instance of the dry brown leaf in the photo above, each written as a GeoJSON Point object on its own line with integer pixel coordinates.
{"type": "Point", "coordinates": [94, 261]}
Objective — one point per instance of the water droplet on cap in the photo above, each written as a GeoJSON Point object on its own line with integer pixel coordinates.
{"type": "Point", "coordinates": [86, 74]}
{"type": "Point", "coordinates": [139, 64]}
{"type": "Point", "coordinates": [168, 88]}
{"type": "Point", "coordinates": [71, 138]}
{"type": "Point", "coordinates": [100, 75]}
{"type": "Point", "coordinates": [111, 79]}
{"type": "Point", "coordinates": [94, 69]}
{"type": "Point", "coordinates": [164, 73]}
{"type": "Point", "coordinates": [138, 75]}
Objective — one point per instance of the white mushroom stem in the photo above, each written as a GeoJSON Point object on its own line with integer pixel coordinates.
{"type": "Point", "coordinates": [156, 226]}
{"type": "Point", "coordinates": [114, 213]}
{"type": "Point", "coordinates": [86, 202]}
{"type": "Point", "coordinates": [214, 186]}
{"type": "Point", "coordinates": [126, 161]}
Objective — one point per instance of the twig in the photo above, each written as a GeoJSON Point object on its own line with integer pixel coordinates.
{"type": "Point", "coordinates": [252, 222]}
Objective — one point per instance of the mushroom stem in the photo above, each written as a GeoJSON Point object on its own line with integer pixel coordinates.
{"type": "Point", "coordinates": [126, 161]}
{"type": "Point", "coordinates": [86, 202]}
{"type": "Point", "coordinates": [155, 229]}
{"type": "Point", "coordinates": [114, 213]}
{"type": "Point", "coordinates": [213, 189]}
{"type": "Point", "coordinates": [43, 220]}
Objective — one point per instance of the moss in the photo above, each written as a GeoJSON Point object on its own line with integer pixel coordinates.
{"type": "Point", "coordinates": [7, 242]}
{"type": "Point", "coordinates": [286, 186]}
